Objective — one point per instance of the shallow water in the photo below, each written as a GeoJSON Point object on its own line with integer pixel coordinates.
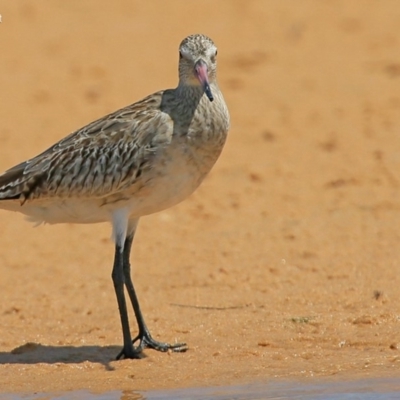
{"type": "Point", "coordinates": [374, 389]}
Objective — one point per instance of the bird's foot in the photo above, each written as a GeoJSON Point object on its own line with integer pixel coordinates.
{"type": "Point", "coordinates": [130, 352]}
{"type": "Point", "coordinates": [146, 341]}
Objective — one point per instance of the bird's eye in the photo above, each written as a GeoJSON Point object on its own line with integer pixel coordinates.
{"type": "Point", "coordinates": [216, 52]}
{"type": "Point", "coordinates": [180, 55]}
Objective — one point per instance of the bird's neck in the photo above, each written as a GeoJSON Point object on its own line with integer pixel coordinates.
{"type": "Point", "coordinates": [193, 93]}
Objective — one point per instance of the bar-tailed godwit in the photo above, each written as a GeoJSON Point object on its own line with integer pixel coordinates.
{"type": "Point", "coordinates": [141, 159]}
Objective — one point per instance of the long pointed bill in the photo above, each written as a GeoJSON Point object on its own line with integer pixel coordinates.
{"type": "Point", "coordinates": [202, 75]}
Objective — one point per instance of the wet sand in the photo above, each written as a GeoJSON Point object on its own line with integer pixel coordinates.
{"type": "Point", "coordinates": [283, 265]}
{"type": "Point", "coordinates": [376, 389]}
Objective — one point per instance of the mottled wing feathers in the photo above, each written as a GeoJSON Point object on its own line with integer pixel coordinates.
{"type": "Point", "coordinates": [97, 160]}
{"type": "Point", "coordinates": [10, 176]}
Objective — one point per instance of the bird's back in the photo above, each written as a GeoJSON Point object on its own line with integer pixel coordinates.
{"type": "Point", "coordinates": [145, 155]}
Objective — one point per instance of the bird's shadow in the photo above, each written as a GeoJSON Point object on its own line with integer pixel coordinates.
{"type": "Point", "coordinates": [34, 353]}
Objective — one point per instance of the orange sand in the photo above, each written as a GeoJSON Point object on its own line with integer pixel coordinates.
{"type": "Point", "coordinates": [284, 264]}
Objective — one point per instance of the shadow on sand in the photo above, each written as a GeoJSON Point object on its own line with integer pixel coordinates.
{"type": "Point", "coordinates": [34, 353]}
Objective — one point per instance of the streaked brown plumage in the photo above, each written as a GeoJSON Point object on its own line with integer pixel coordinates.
{"type": "Point", "coordinates": [136, 161]}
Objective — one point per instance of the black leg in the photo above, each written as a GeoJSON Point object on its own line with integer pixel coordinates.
{"type": "Point", "coordinates": [144, 337]}
{"type": "Point", "coordinates": [128, 350]}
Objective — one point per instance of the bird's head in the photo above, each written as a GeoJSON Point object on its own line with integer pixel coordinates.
{"type": "Point", "coordinates": [198, 62]}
